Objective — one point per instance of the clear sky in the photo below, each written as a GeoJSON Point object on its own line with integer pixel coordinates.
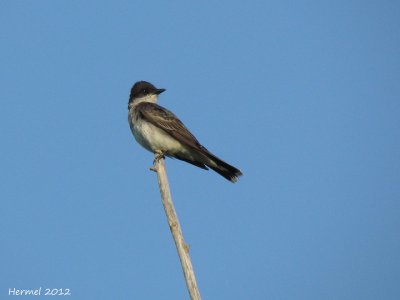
{"type": "Point", "coordinates": [302, 96]}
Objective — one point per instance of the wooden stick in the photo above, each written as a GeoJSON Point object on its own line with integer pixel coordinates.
{"type": "Point", "coordinates": [175, 227]}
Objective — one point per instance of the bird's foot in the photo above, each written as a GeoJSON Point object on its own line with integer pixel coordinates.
{"type": "Point", "coordinates": [157, 156]}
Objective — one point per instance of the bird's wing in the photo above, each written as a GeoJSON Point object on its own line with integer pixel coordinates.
{"type": "Point", "coordinates": [167, 121]}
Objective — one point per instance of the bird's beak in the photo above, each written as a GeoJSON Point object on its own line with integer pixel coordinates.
{"type": "Point", "coordinates": [159, 91]}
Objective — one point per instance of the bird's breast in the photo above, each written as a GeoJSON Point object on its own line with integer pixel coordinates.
{"type": "Point", "coordinates": [151, 137]}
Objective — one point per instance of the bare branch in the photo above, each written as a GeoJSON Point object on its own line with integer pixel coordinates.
{"type": "Point", "coordinates": [173, 222]}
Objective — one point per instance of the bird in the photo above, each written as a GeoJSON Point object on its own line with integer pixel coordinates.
{"type": "Point", "coordinates": [159, 131]}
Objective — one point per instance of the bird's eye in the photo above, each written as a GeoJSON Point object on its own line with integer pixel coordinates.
{"type": "Point", "coordinates": [144, 91]}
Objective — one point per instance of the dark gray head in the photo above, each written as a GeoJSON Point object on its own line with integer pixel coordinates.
{"type": "Point", "coordinates": [142, 89]}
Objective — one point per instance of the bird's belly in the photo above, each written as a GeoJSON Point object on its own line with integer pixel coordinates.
{"type": "Point", "coordinates": [155, 139]}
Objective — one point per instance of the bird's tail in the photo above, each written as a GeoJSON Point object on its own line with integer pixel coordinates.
{"type": "Point", "coordinates": [224, 169]}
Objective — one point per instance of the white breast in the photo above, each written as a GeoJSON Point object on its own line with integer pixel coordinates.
{"type": "Point", "coordinates": [153, 138]}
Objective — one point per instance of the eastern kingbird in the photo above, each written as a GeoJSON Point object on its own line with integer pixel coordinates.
{"type": "Point", "coordinates": [160, 131]}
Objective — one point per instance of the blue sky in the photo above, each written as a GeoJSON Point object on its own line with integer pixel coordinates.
{"type": "Point", "coordinates": [302, 96]}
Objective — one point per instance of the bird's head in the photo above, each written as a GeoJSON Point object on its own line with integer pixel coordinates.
{"type": "Point", "coordinates": [143, 91]}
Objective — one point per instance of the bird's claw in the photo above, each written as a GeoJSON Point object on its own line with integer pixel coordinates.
{"type": "Point", "coordinates": [157, 156]}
